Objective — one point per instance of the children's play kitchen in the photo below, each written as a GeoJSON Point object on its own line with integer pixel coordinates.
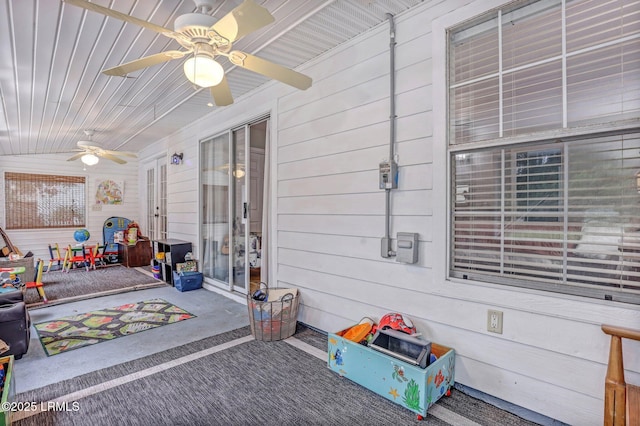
{"type": "Point", "coordinates": [392, 360]}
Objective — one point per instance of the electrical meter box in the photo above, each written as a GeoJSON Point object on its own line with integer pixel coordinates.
{"type": "Point", "coordinates": [407, 250]}
{"type": "Point", "coordinates": [388, 175]}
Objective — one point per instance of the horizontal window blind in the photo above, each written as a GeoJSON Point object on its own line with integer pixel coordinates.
{"type": "Point", "coordinates": [563, 216]}
{"type": "Point", "coordinates": [35, 201]}
{"type": "Point", "coordinates": [537, 67]}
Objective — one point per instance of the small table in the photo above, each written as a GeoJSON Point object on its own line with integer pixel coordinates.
{"type": "Point", "coordinates": [27, 262]}
{"type": "Point", "coordinates": [135, 255]}
{"type": "Point", "coordinates": [9, 287]}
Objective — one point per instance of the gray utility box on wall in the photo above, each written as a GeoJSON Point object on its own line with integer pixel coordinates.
{"type": "Point", "coordinates": [407, 251]}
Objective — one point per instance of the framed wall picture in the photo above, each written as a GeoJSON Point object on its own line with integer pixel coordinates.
{"type": "Point", "coordinates": [109, 191]}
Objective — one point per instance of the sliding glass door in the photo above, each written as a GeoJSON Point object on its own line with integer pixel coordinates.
{"type": "Point", "coordinates": [231, 248]}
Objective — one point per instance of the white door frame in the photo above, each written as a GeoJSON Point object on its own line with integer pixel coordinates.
{"type": "Point", "coordinates": [155, 181]}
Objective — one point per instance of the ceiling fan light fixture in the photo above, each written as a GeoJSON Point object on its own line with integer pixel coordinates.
{"type": "Point", "coordinates": [203, 70]}
{"type": "Point", "coordinates": [89, 159]}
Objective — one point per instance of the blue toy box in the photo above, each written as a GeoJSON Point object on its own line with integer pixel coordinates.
{"type": "Point", "coordinates": [188, 280]}
{"type": "Point", "coordinates": [405, 384]}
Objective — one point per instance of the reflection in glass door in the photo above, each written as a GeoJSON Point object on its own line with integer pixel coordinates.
{"type": "Point", "coordinates": [215, 226]}
{"type": "Point", "coordinates": [239, 208]}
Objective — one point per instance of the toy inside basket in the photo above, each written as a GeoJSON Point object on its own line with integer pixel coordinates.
{"type": "Point", "coordinates": [273, 313]}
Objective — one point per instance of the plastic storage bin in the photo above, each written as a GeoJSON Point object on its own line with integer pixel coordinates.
{"type": "Point", "coordinates": [275, 317]}
{"type": "Point", "coordinates": [186, 281]}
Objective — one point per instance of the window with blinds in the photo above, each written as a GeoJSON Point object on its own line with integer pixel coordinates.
{"type": "Point", "coordinates": [544, 101]}
{"type": "Point", "coordinates": [35, 201]}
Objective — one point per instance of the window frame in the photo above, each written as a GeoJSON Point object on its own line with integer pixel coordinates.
{"type": "Point", "coordinates": [595, 129]}
{"type": "Point", "coordinates": [51, 180]}
{"type": "Point", "coordinates": [568, 261]}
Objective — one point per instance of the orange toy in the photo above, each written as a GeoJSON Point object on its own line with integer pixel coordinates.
{"type": "Point", "coordinates": [358, 332]}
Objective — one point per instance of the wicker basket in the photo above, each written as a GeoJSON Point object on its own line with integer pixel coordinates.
{"type": "Point", "coordinates": [272, 320]}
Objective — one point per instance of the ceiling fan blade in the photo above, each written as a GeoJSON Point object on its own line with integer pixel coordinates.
{"type": "Point", "coordinates": [76, 156]}
{"type": "Point", "coordinates": [243, 20]}
{"type": "Point", "coordinates": [124, 153]}
{"type": "Point", "coordinates": [111, 157]}
{"type": "Point", "coordinates": [124, 17]}
{"type": "Point", "coordinates": [158, 58]}
{"type": "Point", "coordinates": [121, 153]}
{"type": "Point", "coordinates": [270, 69]}
{"type": "Point", "coordinates": [221, 93]}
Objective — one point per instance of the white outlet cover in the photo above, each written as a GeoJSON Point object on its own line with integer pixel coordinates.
{"type": "Point", "coordinates": [494, 321]}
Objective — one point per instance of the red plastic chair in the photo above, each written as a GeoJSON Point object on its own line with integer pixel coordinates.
{"type": "Point", "coordinates": [96, 255]}
{"type": "Point", "coordinates": [37, 283]}
{"type": "Point", "coordinates": [75, 256]}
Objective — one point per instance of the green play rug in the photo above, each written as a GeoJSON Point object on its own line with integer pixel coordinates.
{"type": "Point", "coordinates": [81, 330]}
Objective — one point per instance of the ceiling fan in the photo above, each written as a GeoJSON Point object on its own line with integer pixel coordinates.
{"type": "Point", "coordinates": [91, 152]}
{"type": "Point", "coordinates": [203, 38]}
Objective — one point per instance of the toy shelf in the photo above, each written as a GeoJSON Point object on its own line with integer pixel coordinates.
{"type": "Point", "coordinates": [174, 252]}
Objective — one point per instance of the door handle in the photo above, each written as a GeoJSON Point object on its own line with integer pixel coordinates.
{"type": "Point", "coordinates": [246, 210]}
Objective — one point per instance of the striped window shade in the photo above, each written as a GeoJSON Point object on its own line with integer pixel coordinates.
{"type": "Point", "coordinates": [34, 201]}
{"type": "Point", "coordinates": [544, 144]}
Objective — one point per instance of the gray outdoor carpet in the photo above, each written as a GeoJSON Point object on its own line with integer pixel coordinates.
{"type": "Point", "coordinates": [79, 283]}
{"type": "Point", "coordinates": [251, 383]}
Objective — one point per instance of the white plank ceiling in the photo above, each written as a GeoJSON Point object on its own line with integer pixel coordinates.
{"type": "Point", "coordinates": [52, 55]}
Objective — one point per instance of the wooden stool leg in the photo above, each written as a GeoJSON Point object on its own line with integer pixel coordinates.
{"type": "Point", "coordinates": [615, 386]}
{"type": "Point", "coordinates": [633, 405]}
